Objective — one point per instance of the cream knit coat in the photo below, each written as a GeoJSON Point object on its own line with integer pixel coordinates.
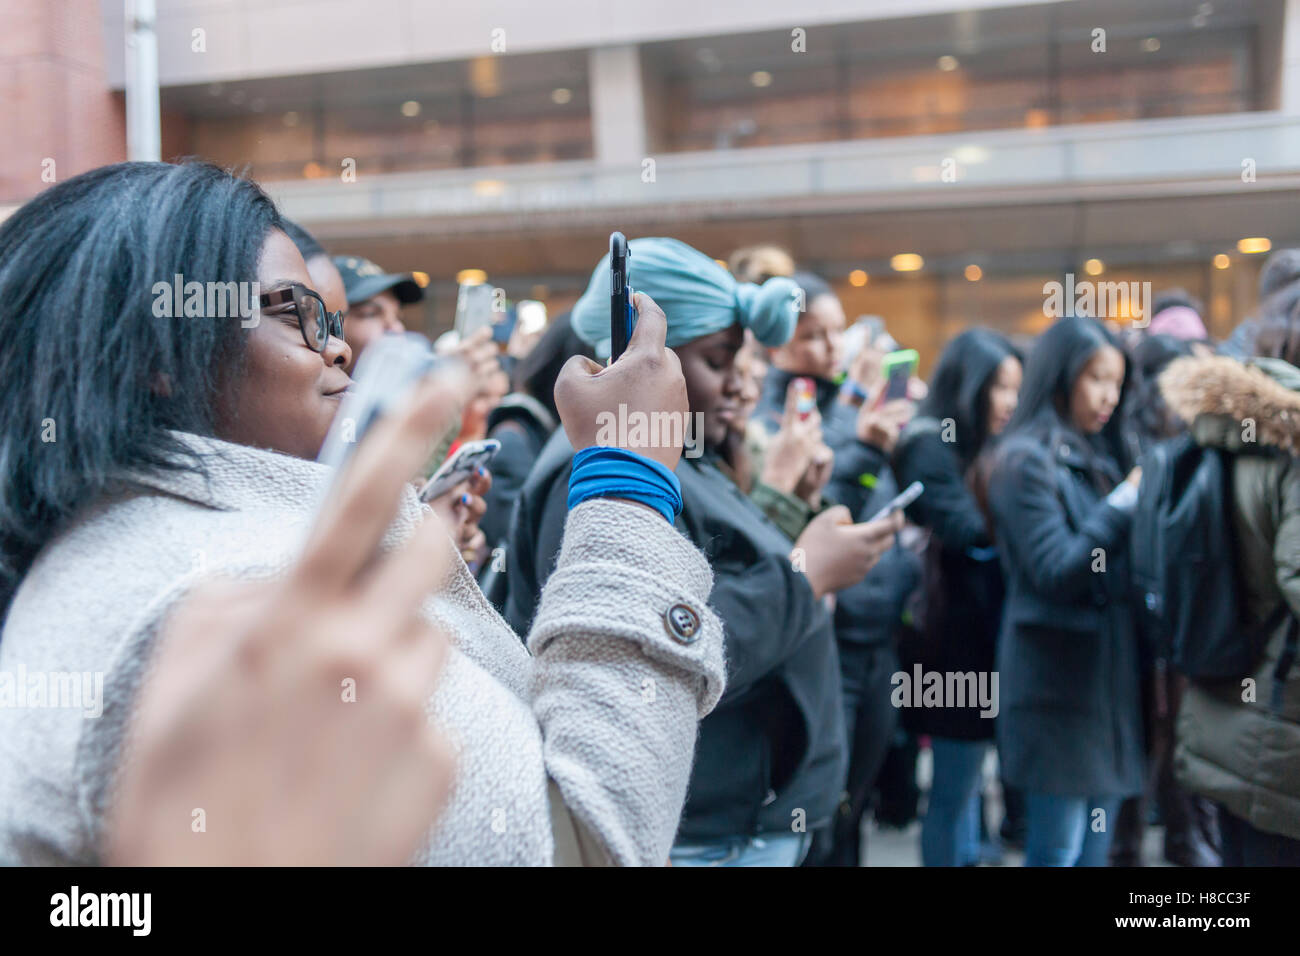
{"type": "Point", "coordinates": [604, 701]}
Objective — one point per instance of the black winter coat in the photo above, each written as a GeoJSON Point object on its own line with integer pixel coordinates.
{"type": "Point", "coordinates": [1070, 720]}
{"type": "Point", "coordinates": [961, 623]}
{"type": "Point", "coordinates": [773, 750]}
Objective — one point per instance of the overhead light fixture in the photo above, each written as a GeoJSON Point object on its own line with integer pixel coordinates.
{"type": "Point", "coordinates": [906, 262]}
{"type": "Point", "coordinates": [761, 78]}
{"type": "Point", "coordinates": [489, 187]}
{"type": "Point", "coordinates": [561, 95]}
{"type": "Point", "coordinates": [1253, 245]}
{"type": "Point", "coordinates": [411, 108]}
{"type": "Point", "coordinates": [858, 278]}
{"type": "Point", "coordinates": [971, 155]}
{"type": "Point", "coordinates": [948, 63]}
{"type": "Point", "coordinates": [421, 279]}
{"type": "Point", "coordinates": [471, 277]}
{"type": "Point", "coordinates": [484, 77]}
{"type": "Point", "coordinates": [973, 273]}
{"type": "Point", "coordinates": [1221, 261]}
{"type": "Point", "coordinates": [1151, 44]}
{"type": "Point", "coordinates": [1094, 267]}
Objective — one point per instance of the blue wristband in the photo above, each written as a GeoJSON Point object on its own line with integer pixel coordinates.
{"type": "Point", "coordinates": [851, 387]}
{"type": "Point", "coordinates": [606, 472]}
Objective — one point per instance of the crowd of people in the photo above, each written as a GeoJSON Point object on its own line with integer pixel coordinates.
{"type": "Point", "coordinates": [603, 651]}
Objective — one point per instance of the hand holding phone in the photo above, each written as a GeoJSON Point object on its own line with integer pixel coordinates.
{"type": "Point", "coordinates": [898, 368]}
{"type": "Point", "coordinates": [900, 501]}
{"type": "Point", "coordinates": [806, 401]}
{"type": "Point", "coordinates": [468, 458]}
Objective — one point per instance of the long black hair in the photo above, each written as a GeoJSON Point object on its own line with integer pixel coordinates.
{"type": "Point", "coordinates": [1151, 418]}
{"type": "Point", "coordinates": [1057, 359]}
{"type": "Point", "coordinates": [94, 383]}
{"type": "Point", "coordinates": [960, 385]}
{"type": "Point", "coordinates": [538, 371]}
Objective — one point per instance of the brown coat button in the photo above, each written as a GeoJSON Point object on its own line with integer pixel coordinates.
{"type": "Point", "coordinates": [682, 623]}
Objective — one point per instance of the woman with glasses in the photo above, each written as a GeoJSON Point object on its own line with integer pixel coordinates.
{"type": "Point", "coordinates": [141, 456]}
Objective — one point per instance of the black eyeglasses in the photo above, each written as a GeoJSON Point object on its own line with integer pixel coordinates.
{"type": "Point", "coordinates": [315, 322]}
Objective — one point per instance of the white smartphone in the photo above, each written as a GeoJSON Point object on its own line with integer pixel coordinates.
{"type": "Point", "coordinates": [385, 374]}
{"type": "Point", "coordinates": [459, 466]}
{"type": "Point", "coordinates": [900, 501]}
{"type": "Point", "coordinates": [474, 309]}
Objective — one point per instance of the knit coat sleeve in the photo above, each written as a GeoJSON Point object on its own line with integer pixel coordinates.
{"type": "Point", "coordinates": [617, 690]}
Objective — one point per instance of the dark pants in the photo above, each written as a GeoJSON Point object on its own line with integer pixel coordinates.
{"type": "Point", "coordinates": [869, 720]}
{"type": "Point", "coordinates": [1243, 845]}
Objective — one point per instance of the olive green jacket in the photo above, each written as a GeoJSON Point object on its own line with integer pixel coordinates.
{"type": "Point", "coordinates": [1232, 746]}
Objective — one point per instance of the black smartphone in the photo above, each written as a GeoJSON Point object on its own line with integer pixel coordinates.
{"type": "Point", "coordinates": [621, 314]}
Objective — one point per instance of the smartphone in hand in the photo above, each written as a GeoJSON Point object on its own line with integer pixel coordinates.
{"type": "Point", "coordinates": [898, 368]}
{"type": "Point", "coordinates": [900, 501]}
{"type": "Point", "coordinates": [468, 458]}
{"type": "Point", "coordinates": [621, 313]}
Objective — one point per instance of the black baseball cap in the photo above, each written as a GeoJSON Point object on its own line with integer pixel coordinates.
{"type": "Point", "coordinates": [364, 280]}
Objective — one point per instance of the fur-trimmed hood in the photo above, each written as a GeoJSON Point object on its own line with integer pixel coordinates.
{"type": "Point", "coordinates": [1217, 396]}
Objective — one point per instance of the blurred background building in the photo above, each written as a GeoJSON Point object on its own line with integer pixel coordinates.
{"type": "Point", "coordinates": [937, 160]}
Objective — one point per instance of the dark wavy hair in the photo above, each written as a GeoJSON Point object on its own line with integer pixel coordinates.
{"type": "Point", "coordinates": [1057, 359]}
{"type": "Point", "coordinates": [1278, 334]}
{"type": "Point", "coordinates": [960, 385]}
{"type": "Point", "coordinates": [84, 355]}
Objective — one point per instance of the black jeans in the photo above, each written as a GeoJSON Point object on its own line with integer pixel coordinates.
{"type": "Point", "coordinates": [1244, 845]}
{"type": "Point", "coordinates": [869, 719]}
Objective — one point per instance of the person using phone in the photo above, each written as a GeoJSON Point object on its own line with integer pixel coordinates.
{"type": "Point", "coordinates": [245, 673]}
{"type": "Point", "coordinates": [972, 396]}
{"type": "Point", "coordinates": [868, 614]}
{"type": "Point", "coordinates": [463, 507]}
{"type": "Point", "coordinates": [191, 455]}
{"type": "Point", "coordinates": [1062, 493]}
{"type": "Point", "coordinates": [773, 751]}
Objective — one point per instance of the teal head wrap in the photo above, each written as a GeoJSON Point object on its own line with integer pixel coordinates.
{"type": "Point", "coordinates": [698, 296]}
